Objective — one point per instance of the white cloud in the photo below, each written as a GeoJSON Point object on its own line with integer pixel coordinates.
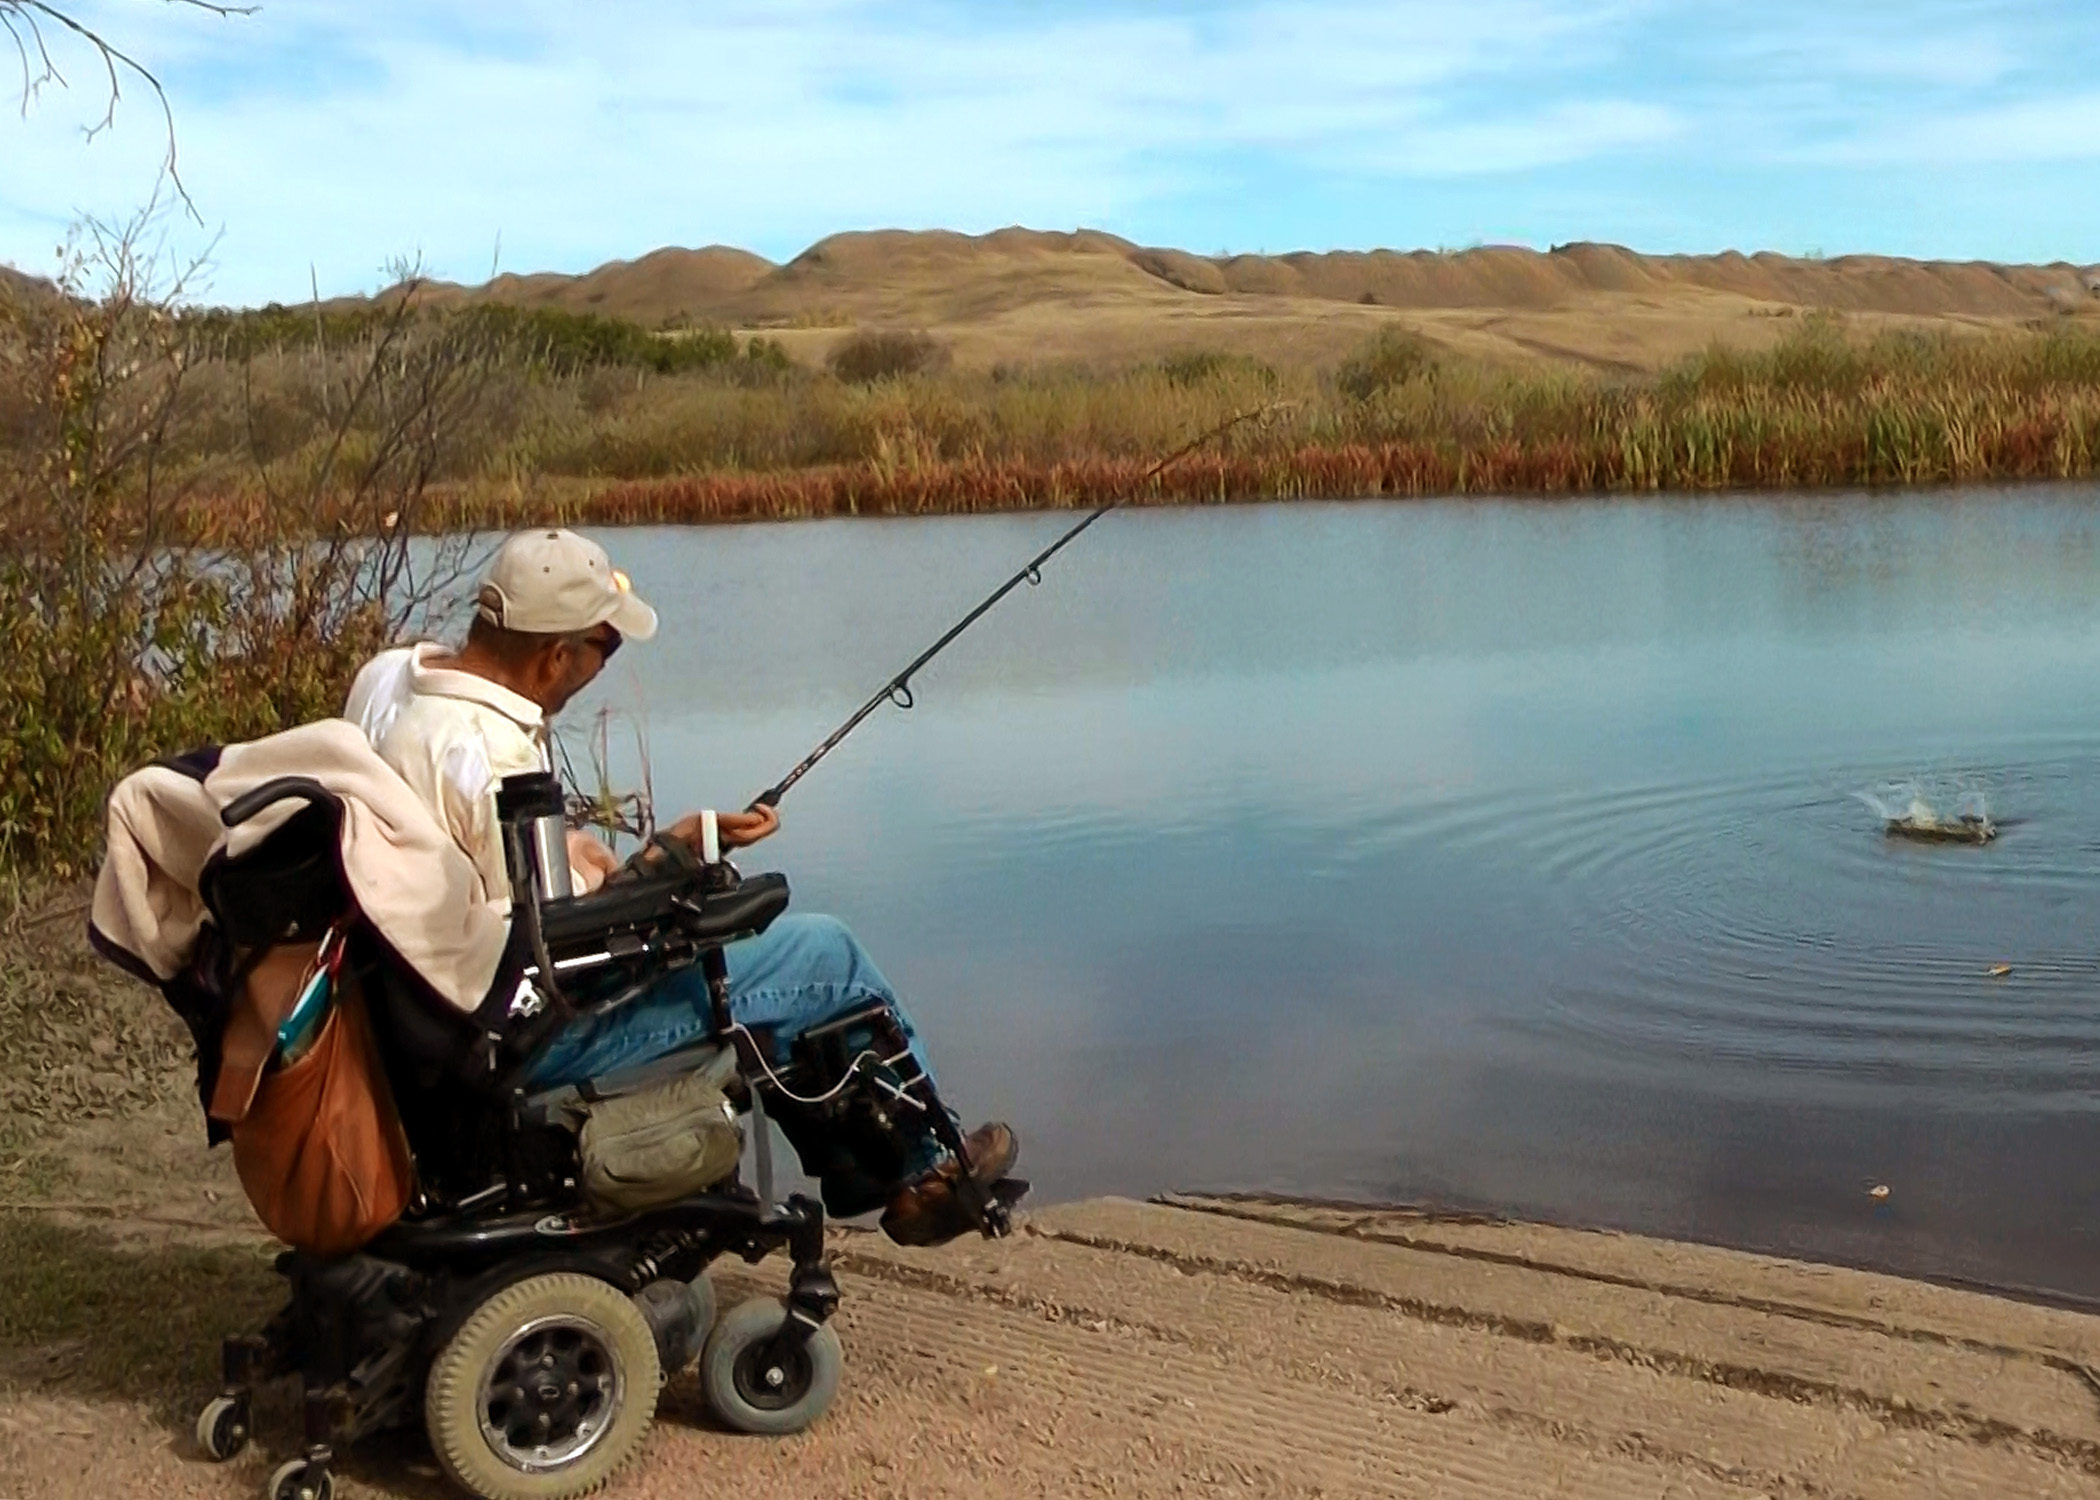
{"type": "Point", "coordinates": [339, 134]}
{"type": "Point", "coordinates": [581, 138]}
{"type": "Point", "coordinates": [2060, 129]}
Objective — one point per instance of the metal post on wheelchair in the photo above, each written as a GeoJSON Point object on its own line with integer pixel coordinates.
{"type": "Point", "coordinates": [532, 814]}
{"type": "Point", "coordinates": [719, 874]}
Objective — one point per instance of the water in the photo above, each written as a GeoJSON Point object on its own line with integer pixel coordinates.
{"type": "Point", "coordinates": [1514, 855]}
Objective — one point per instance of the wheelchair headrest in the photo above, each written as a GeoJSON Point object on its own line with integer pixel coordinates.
{"type": "Point", "coordinates": [288, 887]}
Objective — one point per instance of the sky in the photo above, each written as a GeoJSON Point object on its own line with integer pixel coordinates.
{"type": "Point", "coordinates": [322, 140]}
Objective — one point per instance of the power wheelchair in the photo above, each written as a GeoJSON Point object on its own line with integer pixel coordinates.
{"type": "Point", "coordinates": [528, 1332]}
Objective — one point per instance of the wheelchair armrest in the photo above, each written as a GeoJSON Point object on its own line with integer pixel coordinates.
{"type": "Point", "coordinates": [746, 911]}
{"type": "Point", "coordinates": [674, 902]}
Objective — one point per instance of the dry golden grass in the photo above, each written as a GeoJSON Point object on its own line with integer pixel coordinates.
{"type": "Point", "coordinates": [1816, 410]}
{"type": "Point", "coordinates": [1827, 401]}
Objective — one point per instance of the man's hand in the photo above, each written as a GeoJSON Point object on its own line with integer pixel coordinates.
{"type": "Point", "coordinates": [590, 859]}
{"type": "Point", "coordinates": [736, 830]}
{"type": "Point", "coordinates": [743, 828]}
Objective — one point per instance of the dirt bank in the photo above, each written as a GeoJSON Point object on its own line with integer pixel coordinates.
{"type": "Point", "coordinates": [1194, 1347]}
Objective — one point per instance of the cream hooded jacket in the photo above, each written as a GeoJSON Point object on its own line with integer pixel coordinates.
{"type": "Point", "coordinates": [413, 883]}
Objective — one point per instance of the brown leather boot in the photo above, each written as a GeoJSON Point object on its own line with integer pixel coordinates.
{"type": "Point", "coordinates": [928, 1211]}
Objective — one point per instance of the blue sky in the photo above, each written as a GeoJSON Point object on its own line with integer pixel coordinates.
{"type": "Point", "coordinates": [322, 138]}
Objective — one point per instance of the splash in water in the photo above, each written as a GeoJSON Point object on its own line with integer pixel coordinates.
{"type": "Point", "coordinates": [1911, 810]}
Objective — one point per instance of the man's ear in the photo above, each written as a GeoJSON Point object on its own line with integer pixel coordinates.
{"type": "Point", "coordinates": [550, 666]}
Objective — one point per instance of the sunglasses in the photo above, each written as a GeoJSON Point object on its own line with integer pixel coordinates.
{"type": "Point", "coordinates": [604, 644]}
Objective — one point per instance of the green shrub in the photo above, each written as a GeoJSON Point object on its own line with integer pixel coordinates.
{"type": "Point", "coordinates": [1394, 356]}
{"type": "Point", "coordinates": [565, 342]}
{"type": "Point", "coordinates": [1205, 366]}
{"type": "Point", "coordinates": [865, 357]}
{"type": "Point", "coordinates": [767, 354]}
{"type": "Point", "coordinates": [545, 338]}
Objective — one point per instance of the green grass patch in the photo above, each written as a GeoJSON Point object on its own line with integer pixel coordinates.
{"type": "Point", "coordinates": [79, 1039]}
{"type": "Point", "coordinates": [83, 1314]}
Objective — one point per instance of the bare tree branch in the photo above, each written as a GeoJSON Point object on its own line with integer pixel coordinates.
{"type": "Point", "coordinates": [25, 21]}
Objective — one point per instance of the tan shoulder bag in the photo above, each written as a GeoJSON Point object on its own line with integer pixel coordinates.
{"type": "Point", "coordinates": [317, 1143]}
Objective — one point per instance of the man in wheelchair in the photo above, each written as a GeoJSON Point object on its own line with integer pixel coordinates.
{"type": "Point", "coordinates": [550, 613]}
{"type": "Point", "coordinates": [464, 1250]}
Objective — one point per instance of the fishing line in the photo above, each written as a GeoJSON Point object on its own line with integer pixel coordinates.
{"type": "Point", "coordinates": [898, 689]}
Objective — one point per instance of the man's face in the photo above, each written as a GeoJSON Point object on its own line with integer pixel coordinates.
{"type": "Point", "coordinates": [566, 667]}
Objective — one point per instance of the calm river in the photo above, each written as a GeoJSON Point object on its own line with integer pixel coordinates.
{"type": "Point", "coordinates": [1498, 855]}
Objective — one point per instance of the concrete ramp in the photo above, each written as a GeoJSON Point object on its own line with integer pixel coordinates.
{"type": "Point", "coordinates": [1279, 1349]}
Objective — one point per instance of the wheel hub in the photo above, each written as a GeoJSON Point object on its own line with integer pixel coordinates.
{"type": "Point", "coordinates": [551, 1393]}
{"type": "Point", "coordinates": [772, 1384]}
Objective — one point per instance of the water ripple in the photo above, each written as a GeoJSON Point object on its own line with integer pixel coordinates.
{"type": "Point", "coordinates": [1767, 922]}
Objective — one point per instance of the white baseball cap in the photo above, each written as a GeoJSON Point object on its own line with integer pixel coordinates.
{"type": "Point", "coordinates": [555, 582]}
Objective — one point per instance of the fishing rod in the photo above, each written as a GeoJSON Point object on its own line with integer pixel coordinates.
{"type": "Point", "coordinates": [898, 689]}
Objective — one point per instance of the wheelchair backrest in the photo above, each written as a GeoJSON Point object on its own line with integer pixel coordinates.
{"type": "Point", "coordinates": [288, 887]}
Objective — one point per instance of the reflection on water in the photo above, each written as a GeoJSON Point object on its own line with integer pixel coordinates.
{"type": "Point", "coordinates": [1505, 855]}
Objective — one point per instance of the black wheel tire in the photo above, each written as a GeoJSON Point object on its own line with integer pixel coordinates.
{"type": "Point", "coordinates": [739, 1390]}
{"type": "Point", "coordinates": [222, 1428]}
{"type": "Point", "coordinates": [705, 1309]}
{"type": "Point", "coordinates": [681, 1314]}
{"type": "Point", "coordinates": [588, 1328]}
{"type": "Point", "coordinates": [289, 1482]}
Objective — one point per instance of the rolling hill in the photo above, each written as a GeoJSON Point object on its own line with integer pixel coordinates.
{"type": "Point", "coordinates": [1021, 296]}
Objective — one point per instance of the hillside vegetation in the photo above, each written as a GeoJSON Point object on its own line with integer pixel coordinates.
{"type": "Point", "coordinates": [1020, 296]}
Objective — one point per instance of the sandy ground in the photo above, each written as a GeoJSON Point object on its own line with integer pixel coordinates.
{"type": "Point", "coordinates": [1205, 1347]}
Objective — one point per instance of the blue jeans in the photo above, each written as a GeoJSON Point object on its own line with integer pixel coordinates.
{"type": "Point", "coordinates": [800, 972]}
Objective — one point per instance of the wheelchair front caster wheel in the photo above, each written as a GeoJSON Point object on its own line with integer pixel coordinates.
{"type": "Point", "coordinates": [291, 1482]}
{"type": "Point", "coordinates": [223, 1427]}
{"type": "Point", "coordinates": [754, 1386]}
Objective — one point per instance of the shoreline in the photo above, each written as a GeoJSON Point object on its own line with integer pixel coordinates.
{"type": "Point", "coordinates": [1313, 474]}
{"type": "Point", "coordinates": [1273, 1206]}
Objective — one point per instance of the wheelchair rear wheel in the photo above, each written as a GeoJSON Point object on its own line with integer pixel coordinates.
{"type": "Point", "coordinates": [545, 1391]}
